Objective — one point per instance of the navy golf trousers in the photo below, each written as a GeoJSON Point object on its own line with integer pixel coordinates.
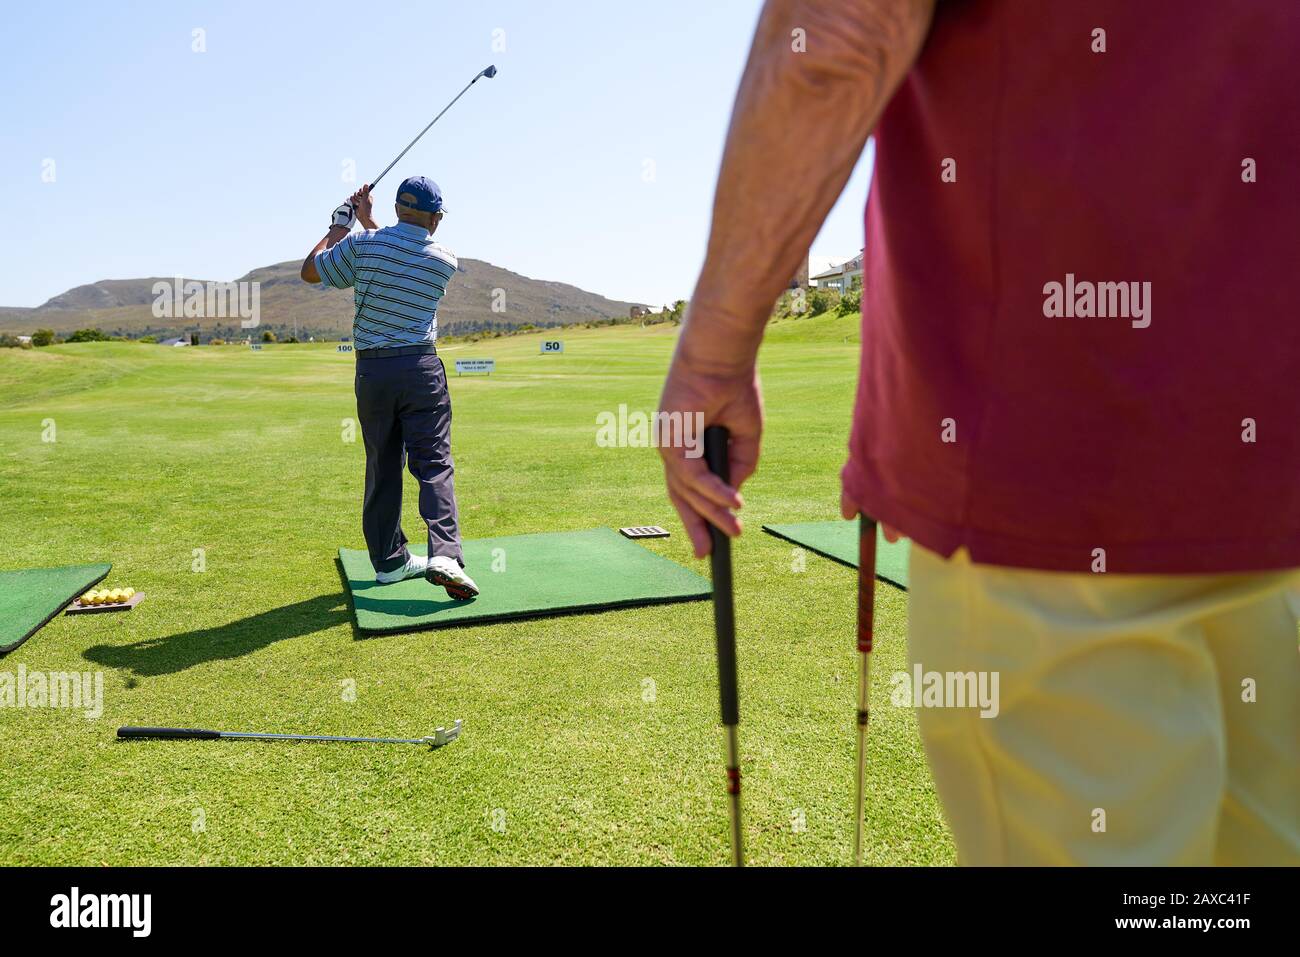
{"type": "Point", "coordinates": [405, 416]}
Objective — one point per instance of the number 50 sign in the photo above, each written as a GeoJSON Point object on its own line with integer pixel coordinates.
{"type": "Point", "coordinates": [552, 345]}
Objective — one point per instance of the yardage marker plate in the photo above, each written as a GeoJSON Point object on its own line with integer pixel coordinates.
{"type": "Point", "coordinates": [643, 531]}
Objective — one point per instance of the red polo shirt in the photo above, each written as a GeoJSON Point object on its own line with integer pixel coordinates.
{"type": "Point", "coordinates": [999, 412]}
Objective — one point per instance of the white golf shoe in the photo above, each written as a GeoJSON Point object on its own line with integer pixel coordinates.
{"type": "Point", "coordinates": [415, 567]}
{"type": "Point", "coordinates": [447, 572]}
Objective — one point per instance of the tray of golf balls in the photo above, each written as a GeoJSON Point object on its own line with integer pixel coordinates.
{"type": "Point", "coordinates": [106, 599]}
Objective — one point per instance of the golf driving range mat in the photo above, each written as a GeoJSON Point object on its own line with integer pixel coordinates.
{"type": "Point", "coordinates": [838, 541]}
{"type": "Point", "coordinates": [549, 574]}
{"type": "Point", "coordinates": [32, 596]}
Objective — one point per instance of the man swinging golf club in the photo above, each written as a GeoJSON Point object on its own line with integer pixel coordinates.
{"type": "Point", "coordinates": [399, 274]}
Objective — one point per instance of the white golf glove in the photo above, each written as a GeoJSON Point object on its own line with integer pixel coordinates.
{"type": "Point", "coordinates": [344, 216]}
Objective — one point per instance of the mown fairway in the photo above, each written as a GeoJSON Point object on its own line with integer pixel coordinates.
{"type": "Point", "coordinates": [589, 739]}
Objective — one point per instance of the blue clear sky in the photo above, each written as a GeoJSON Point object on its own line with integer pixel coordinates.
{"type": "Point", "coordinates": [172, 162]}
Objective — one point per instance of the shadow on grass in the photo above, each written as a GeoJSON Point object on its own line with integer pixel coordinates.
{"type": "Point", "coordinates": [173, 653]}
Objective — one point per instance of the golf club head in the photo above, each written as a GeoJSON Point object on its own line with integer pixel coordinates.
{"type": "Point", "coordinates": [489, 72]}
{"type": "Point", "coordinates": [442, 736]}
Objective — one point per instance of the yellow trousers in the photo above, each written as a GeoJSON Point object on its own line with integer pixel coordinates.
{"type": "Point", "coordinates": [1142, 719]}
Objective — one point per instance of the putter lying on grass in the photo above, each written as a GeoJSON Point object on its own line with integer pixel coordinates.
{"type": "Point", "coordinates": [440, 736]}
{"type": "Point", "coordinates": [866, 624]}
{"type": "Point", "coordinates": [724, 625]}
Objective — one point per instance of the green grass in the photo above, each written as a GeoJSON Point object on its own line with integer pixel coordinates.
{"type": "Point", "coordinates": [160, 452]}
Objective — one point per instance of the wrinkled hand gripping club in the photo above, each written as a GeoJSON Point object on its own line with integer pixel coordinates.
{"type": "Point", "coordinates": [866, 624]}
{"type": "Point", "coordinates": [440, 736]}
{"type": "Point", "coordinates": [488, 72]}
{"type": "Point", "coordinates": [716, 455]}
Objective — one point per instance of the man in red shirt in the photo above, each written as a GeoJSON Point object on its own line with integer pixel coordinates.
{"type": "Point", "coordinates": [1078, 391]}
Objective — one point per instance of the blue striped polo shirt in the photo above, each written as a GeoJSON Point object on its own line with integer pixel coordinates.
{"type": "Point", "coordinates": [399, 274]}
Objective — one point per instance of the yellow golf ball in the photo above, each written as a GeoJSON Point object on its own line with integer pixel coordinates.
{"type": "Point", "coordinates": [128, 594]}
{"type": "Point", "coordinates": [88, 597]}
{"type": "Point", "coordinates": [115, 596]}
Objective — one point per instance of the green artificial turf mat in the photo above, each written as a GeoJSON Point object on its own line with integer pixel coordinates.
{"type": "Point", "coordinates": [522, 576]}
{"type": "Point", "coordinates": [30, 597]}
{"type": "Point", "coordinates": [838, 541]}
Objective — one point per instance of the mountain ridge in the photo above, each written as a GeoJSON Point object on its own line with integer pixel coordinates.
{"type": "Point", "coordinates": [481, 296]}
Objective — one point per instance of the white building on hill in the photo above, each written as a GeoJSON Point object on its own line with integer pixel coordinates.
{"type": "Point", "coordinates": [840, 277]}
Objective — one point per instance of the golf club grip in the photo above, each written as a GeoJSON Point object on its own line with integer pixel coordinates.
{"type": "Point", "coordinates": [190, 733]}
{"type": "Point", "coordinates": [866, 582]}
{"type": "Point", "coordinates": [716, 454]}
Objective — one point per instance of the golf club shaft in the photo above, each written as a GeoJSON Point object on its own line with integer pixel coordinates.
{"type": "Point", "coordinates": [481, 73]}
{"type": "Point", "coordinates": [730, 733]}
{"type": "Point", "coordinates": [318, 737]}
{"type": "Point", "coordinates": [866, 624]}
{"type": "Point", "coordinates": [204, 734]}
{"type": "Point", "coordinates": [716, 454]}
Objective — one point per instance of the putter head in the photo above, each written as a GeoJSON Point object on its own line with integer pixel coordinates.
{"type": "Point", "coordinates": [489, 72]}
{"type": "Point", "coordinates": [442, 736]}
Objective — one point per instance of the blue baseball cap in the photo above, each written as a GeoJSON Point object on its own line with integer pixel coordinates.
{"type": "Point", "coordinates": [420, 192]}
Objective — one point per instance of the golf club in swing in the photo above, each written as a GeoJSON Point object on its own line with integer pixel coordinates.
{"type": "Point", "coordinates": [866, 624]}
{"type": "Point", "coordinates": [440, 736]}
{"type": "Point", "coordinates": [716, 454]}
{"type": "Point", "coordinates": [489, 72]}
